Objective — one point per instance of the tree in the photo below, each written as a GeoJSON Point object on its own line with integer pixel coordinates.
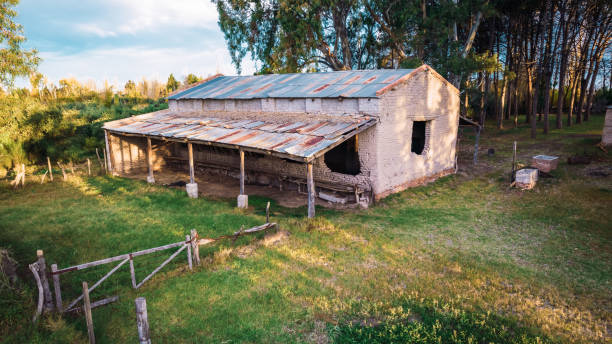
{"type": "Point", "coordinates": [14, 59]}
{"type": "Point", "coordinates": [172, 84]}
{"type": "Point", "coordinates": [191, 79]}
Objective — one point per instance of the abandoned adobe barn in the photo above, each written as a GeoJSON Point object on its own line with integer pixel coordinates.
{"type": "Point", "coordinates": [347, 136]}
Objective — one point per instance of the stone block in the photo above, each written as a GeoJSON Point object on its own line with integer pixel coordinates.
{"type": "Point", "coordinates": [243, 201]}
{"type": "Point", "coordinates": [150, 179]}
{"type": "Point", "coordinates": [192, 190]}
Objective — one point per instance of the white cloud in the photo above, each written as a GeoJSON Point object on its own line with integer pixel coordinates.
{"type": "Point", "coordinates": [121, 64]}
{"type": "Point", "coordinates": [133, 17]}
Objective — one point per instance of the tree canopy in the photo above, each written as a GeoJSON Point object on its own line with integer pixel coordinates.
{"type": "Point", "coordinates": [15, 60]}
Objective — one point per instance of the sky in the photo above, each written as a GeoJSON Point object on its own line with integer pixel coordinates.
{"type": "Point", "coordinates": [125, 40]}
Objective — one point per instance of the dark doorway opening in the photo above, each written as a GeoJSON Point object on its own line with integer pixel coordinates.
{"type": "Point", "coordinates": [418, 137]}
{"type": "Point", "coordinates": [344, 158]}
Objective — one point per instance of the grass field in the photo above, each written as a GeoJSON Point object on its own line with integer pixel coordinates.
{"type": "Point", "coordinates": [463, 260]}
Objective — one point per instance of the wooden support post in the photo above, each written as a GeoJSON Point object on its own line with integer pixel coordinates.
{"type": "Point", "coordinates": [188, 244]}
{"type": "Point", "coordinates": [142, 321]}
{"type": "Point", "coordinates": [107, 154]}
{"type": "Point", "coordinates": [50, 169]}
{"type": "Point", "coordinates": [87, 311]}
{"type": "Point", "coordinates": [241, 172]}
{"type": "Point", "coordinates": [311, 190]}
{"type": "Point", "coordinates": [476, 145]}
{"type": "Point", "coordinates": [150, 177]}
{"type": "Point", "coordinates": [88, 167]}
{"type": "Point", "coordinates": [268, 212]}
{"type": "Point", "coordinates": [42, 271]}
{"type": "Point", "coordinates": [132, 272]}
{"type": "Point", "coordinates": [99, 160]}
{"type": "Point", "coordinates": [56, 287]}
{"type": "Point", "coordinates": [191, 172]}
{"type": "Point", "coordinates": [23, 172]}
{"type": "Point", "coordinates": [513, 162]}
{"type": "Point", "coordinates": [195, 247]}
{"type": "Point", "coordinates": [105, 160]}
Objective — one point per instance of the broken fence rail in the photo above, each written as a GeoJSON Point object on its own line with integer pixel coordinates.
{"type": "Point", "coordinates": [191, 243]}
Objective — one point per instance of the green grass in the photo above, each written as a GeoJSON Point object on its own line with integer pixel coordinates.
{"type": "Point", "coordinates": [464, 258]}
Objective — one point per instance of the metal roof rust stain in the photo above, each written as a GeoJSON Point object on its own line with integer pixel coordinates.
{"type": "Point", "coordinates": [320, 88]}
{"type": "Point", "coordinates": [371, 83]}
{"type": "Point", "coordinates": [228, 135]}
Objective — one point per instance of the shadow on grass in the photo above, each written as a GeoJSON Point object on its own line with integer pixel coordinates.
{"type": "Point", "coordinates": [427, 321]}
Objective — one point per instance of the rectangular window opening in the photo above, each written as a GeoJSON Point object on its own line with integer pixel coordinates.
{"type": "Point", "coordinates": [418, 137]}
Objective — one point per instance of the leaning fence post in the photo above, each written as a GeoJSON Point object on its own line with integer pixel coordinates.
{"type": "Point", "coordinates": [56, 287]}
{"type": "Point", "coordinates": [195, 246]}
{"type": "Point", "coordinates": [50, 169]}
{"type": "Point", "coordinates": [188, 244]}
{"type": "Point", "coordinates": [87, 310]}
{"type": "Point", "coordinates": [142, 322]}
{"type": "Point", "coordinates": [42, 271]}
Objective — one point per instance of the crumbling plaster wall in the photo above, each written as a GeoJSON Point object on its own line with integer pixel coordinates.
{"type": "Point", "coordinates": [424, 97]}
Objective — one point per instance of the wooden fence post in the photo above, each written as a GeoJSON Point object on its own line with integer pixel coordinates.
{"type": "Point", "coordinates": [105, 165]}
{"type": "Point", "coordinates": [50, 169]}
{"type": "Point", "coordinates": [268, 212]}
{"type": "Point", "coordinates": [88, 167]}
{"type": "Point", "coordinates": [195, 247]}
{"type": "Point", "coordinates": [188, 244]}
{"type": "Point", "coordinates": [23, 175]}
{"type": "Point", "coordinates": [132, 272]}
{"type": "Point", "coordinates": [87, 311]}
{"type": "Point", "coordinates": [56, 287]}
{"type": "Point", "coordinates": [42, 271]}
{"type": "Point", "coordinates": [142, 321]}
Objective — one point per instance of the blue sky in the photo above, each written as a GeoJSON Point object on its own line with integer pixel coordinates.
{"type": "Point", "coordinates": [121, 40]}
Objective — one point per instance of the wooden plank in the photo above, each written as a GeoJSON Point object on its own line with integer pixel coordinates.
{"type": "Point", "coordinates": [42, 272]}
{"type": "Point", "coordinates": [56, 287]}
{"type": "Point", "coordinates": [98, 283]}
{"type": "Point", "coordinates": [241, 172]}
{"type": "Point", "coordinates": [88, 318]}
{"type": "Point", "coordinates": [191, 172]}
{"type": "Point", "coordinates": [161, 266]}
{"type": "Point", "coordinates": [50, 169]}
{"type": "Point", "coordinates": [120, 257]}
{"type": "Point", "coordinates": [311, 191]}
{"type": "Point", "coordinates": [96, 304]}
{"type": "Point", "coordinates": [132, 272]}
{"type": "Point", "coordinates": [142, 321]}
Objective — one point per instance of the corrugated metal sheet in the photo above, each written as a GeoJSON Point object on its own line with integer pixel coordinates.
{"type": "Point", "coordinates": [298, 140]}
{"type": "Point", "coordinates": [348, 84]}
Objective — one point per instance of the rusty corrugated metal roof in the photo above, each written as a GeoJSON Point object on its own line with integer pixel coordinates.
{"type": "Point", "coordinates": [347, 84]}
{"type": "Point", "coordinates": [300, 140]}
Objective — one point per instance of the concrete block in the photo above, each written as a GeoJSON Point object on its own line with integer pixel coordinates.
{"type": "Point", "coordinates": [243, 201]}
{"type": "Point", "coordinates": [150, 179]}
{"type": "Point", "coordinates": [192, 190]}
{"type": "Point", "coordinates": [526, 178]}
